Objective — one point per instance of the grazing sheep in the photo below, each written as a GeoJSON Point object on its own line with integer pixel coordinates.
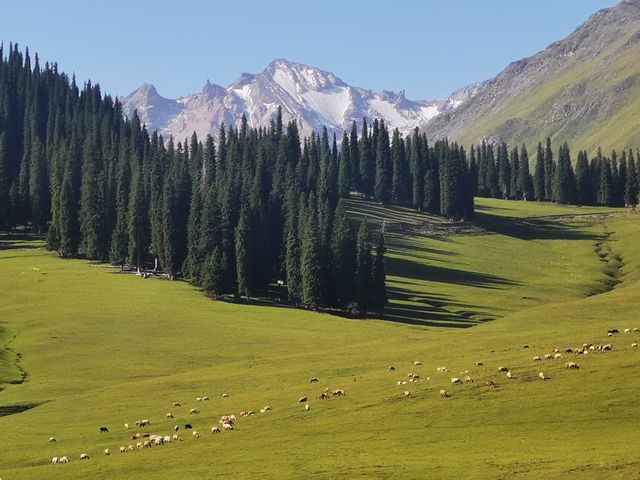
{"type": "Point", "coordinates": [126, 426]}
{"type": "Point", "coordinates": [537, 359]}
{"type": "Point", "coordinates": [166, 439]}
{"type": "Point", "coordinates": [509, 375]}
{"type": "Point", "coordinates": [490, 384]}
{"type": "Point", "coordinates": [302, 399]}
{"type": "Point", "coordinates": [194, 434]}
{"type": "Point", "coordinates": [571, 365]}
{"type": "Point", "coordinates": [107, 452]}
{"type": "Point", "coordinates": [338, 393]}
{"type": "Point", "coordinates": [169, 415]}
{"type": "Point", "coordinates": [52, 439]}
{"type": "Point", "coordinates": [227, 418]}
{"type": "Point", "coordinates": [627, 330]}
{"type": "Point", "coordinates": [324, 396]}
{"type": "Point", "coordinates": [407, 393]}
{"type": "Point", "coordinates": [227, 426]}
{"type": "Point", "coordinates": [267, 408]}
{"type": "Point", "coordinates": [456, 381]}
{"type": "Point", "coordinates": [215, 430]}
{"type": "Point", "coordinates": [503, 369]}
{"type": "Point", "coordinates": [104, 430]}
{"type": "Point", "coordinates": [63, 459]}
{"type": "Point", "coordinates": [123, 449]}
{"type": "Point", "coordinates": [146, 444]}
{"type": "Point", "coordinates": [144, 423]}
{"type": "Point", "coordinates": [392, 368]}
{"type": "Point", "coordinates": [313, 380]}
{"type": "Point", "coordinates": [442, 369]}
{"type": "Point", "coordinates": [542, 376]}
{"type": "Point", "coordinates": [198, 399]}
{"type": "Point", "coordinates": [634, 345]}
{"type": "Point", "coordinates": [614, 331]}
{"type": "Point", "coordinates": [84, 456]}
{"type": "Point", "coordinates": [479, 364]}
{"type": "Point", "coordinates": [205, 399]}
{"type": "Point", "coordinates": [636, 330]}
{"type": "Point", "coordinates": [607, 348]}
{"type": "Point", "coordinates": [176, 428]}
{"type": "Point", "coordinates": [232, 418]}
{"type": "Point", "coordinates": [609, 334]}
{"type": "Point", "coordinates": [193, 411]}
{"type": "Point", "coordinates": [417, 363]}
{"type": "Point", "coordinates": [306, 407]}
{"type": "Point", "coordinates": [158, 441]}
{"type": "Point", "coordinates": [139, 445]}
{"type": "Point", "coordinates": [525, 346]}
{"type": "Point", "coordinates": [468, 379]}
{"type": "Point", "coordinates": [443, 393]}
{"type": "Point", "coordinates": [557, 355]}
{"type": "Point", "coordinates": [176, 438]}
{"type": "Point", "coordinates": [177, 404]}
{"type": "Point", "coordinates": [55, 460]}
{"type": "Point", "coordinates": [130, 448]}
{"type": "Point", "coordinates": [548, 356]}
{"type": "Point", "coordinates": [225, 395]}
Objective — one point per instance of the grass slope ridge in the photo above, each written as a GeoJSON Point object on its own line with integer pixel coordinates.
{"type": "Point", "coordinates": [584, 89]}
{"type": "Point", "coordinates": [107, 348]}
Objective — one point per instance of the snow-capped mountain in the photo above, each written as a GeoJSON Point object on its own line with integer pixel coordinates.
{"type": "Point", "coordinates": [311, 96]}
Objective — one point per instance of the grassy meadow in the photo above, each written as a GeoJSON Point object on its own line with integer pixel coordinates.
{"type": "Point", "coordinates": [88, 346]}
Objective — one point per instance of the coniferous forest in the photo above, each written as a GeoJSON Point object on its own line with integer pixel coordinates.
{"type": "Point", "coordinates": [251, 207]}
{"type": "Point", "coordinates": [234, 214]}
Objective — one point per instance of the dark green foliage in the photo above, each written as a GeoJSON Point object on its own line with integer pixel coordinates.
{"type": "Point", "coordinates": [525, 182]}
{"type": "Point", "coordinates": [539, 180]}
{"type": "Point", "coordinates": [378, 279]}
{"type": "Point", "coordinates": [584, 195]}
{"type": "Point", "coordinates": [343, 259]}
{"type": "Point", "coordinates": [212, 273]}
{"type": "Point", "coordinates": [363, 270]}
{"type": "Point", "coordinates": [564, 180]}
{"type": "Point", "coordinates": [631, 183]}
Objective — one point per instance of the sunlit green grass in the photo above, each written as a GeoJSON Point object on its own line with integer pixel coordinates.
{"type": "Point", "coordinates": [104, 348]}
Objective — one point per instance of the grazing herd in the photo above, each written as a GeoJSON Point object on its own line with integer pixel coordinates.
{"type": "Point", "coordinates": [227, 423]}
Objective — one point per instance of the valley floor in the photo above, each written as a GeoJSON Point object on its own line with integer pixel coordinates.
{"type": "Point", "coordinates": [86, 346]}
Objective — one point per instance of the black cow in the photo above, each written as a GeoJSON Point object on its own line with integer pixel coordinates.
{"type": "Point", "coordinates": [187, 425]}
{"type": "Point", "coordinates": [104, 430]}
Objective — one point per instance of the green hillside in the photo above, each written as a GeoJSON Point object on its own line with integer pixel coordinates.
{"type": "Point", "coordinates": [103, 348]}
{"type": "Point", "coordinates": [583, 90]}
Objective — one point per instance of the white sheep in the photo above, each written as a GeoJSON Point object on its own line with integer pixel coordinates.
{"type": "Point", "coordinates": [176, 437]}
{"type": "Point", "coordinates": [407, 393]}
{"type": "Point", "coordinates": [443, 393]}
{"type": "Point", "coordinates": [193, 411]}
{"type": "Point", "coordinates": [456, 381]}
{"type": "Point", "coordinates": [307, 407]}
{"type": "Point", "coordinates": [126, 426]}
{"type": "Point", "coordinates": [55, 460]}
{"type": "Point", "coordinates": [417, 363]}
{"type": "Point", "coordinates": [509, 375]}
{"type": "Point", "coordinates": [166, 439]}
{"type": "Point", "coordinates": [215, 430]}
{"type": "Point", "coordinates": [537, 359]}
{"type": "Point", "coordinates": [225, 395]}
{"type": "Point", "coordinates": [557, 355]}
{"type": "Point", "coordinates": [627, 330]}
{"type": "Point", "coordinates": [548, 356]}
{"type": "Point", "coordinates": [571, 365]}
{"type": "Point", "coordinates": [169, 415]}
{"type": "Point", "coordinates": [63, 459]}
{"type": "Point", "coordinates": [479, 364]}
{"type": "Point", "coordinates": [52, 439]}
{"type": "Point", "coordinates": [542, 376]}
{"type": "Point", "coordinates": [123, 449]}
{"type": "Point", "coordinates": [146, 444]}
{"type": "Point", "coordinates": [194, 434]}
{"type": "Point", "coordinates": [84, 456]}
{"type": "Point", "coordinates": [634, 345]}
{"type": "Point", "coordinates": [205, 399]}
{"type": "Point", "coordinates": [107, 452]}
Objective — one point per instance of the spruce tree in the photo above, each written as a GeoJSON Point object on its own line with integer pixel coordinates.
{"type": "Point", "coordinates": [378, 279]}
{"type": "Point", "coordinates": [539, 180]}
{"type": "Point", "coordinates": [631, 184]}
{"type": "Point", "coordinates": [212, 273]}
{"type": "Point", "coordinates": [313, 287]}
{"type": "Point", "coordinates": [549, 172]}
{"type": "Point", "coordinates": [525, 183]}
{"type": "Point", "coordinates": [564, 180]}
{"type": "Point", "coordinates": [363, 270]}
{"type": "Point", "coordinates": [584, 195]}
{"type": "Point", "coordinates": [343, 258]}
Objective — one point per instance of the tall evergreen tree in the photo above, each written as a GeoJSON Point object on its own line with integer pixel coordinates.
{"type": "Point", "coordinates": [343, 261]}
{"type": "Point", "coordinates": [539, 179]}
{"type": "Point", "coordinates": [378, 279]}
{"type": "Point", "coordinates": [363, 269]}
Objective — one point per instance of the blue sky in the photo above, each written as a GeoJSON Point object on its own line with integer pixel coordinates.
{"type": "Point", "coordinates": [428, 48]}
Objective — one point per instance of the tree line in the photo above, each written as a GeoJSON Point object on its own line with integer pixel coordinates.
{"type": "Point", "coordinates": [503, 172]}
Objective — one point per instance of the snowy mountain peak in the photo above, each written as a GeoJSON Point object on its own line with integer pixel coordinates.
{"type": "Point", "coordinates": [313, 97]}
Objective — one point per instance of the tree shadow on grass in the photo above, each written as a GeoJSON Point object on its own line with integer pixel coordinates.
{"type": "Point", "coordinates": [15, 241]}
{"type": "Point", "coordinates": [435, 310]}
{"type": "Point", "coordinates": [418, 271]}
{"type": "Point", "coordinates": [533, 228]}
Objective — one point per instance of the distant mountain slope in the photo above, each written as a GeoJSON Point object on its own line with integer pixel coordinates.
{"type": "Point", "coordinates": [584, 89]}
{"type": "Point", "coordinates": [313, 97]}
